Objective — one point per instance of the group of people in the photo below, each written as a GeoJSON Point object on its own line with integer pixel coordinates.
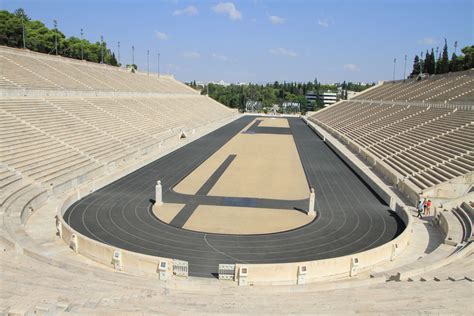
{"type": "Point", "coordinates": [424, 206]}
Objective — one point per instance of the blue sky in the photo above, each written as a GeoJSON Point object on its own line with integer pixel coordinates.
{"type": "Point", "coordinates": [263, 41]}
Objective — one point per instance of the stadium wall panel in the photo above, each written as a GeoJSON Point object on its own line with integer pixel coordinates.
{"type": "Point", "coordinates": [317, 270]}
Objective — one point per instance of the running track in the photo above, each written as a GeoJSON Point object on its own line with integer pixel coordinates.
{"type": "Point", "coordinates": [351, 218]}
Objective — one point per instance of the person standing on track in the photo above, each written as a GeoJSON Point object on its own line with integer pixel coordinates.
{"type": "Point", "coordinates": [420, 208]}
{"type": "Point", "coordinates": [428, 207]}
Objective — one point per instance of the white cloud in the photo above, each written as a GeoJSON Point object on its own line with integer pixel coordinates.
{"type": "Point", "coordinates": [323, 23]}
{"type": "Point", "coordinates": [161, 36]}
{"type": "Point", "coordinates": [219, 57]}
{"type": "Point", "coordinates": [191, 55]}
{"type": "Point", "coordinates": [229, 9]}
{"type": "Point", "coordinates": [351, 67]}
{"type": "Point", "coordinates": [190, 10]}
{"type": "Point", "coordinates": [282, 52]}
{"type": "Point", "coordinates": [428, 41]}
{"type": "Point", "coordinates": [276, 19]}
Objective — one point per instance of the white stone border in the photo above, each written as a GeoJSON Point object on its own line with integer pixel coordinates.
{"type": "Point", "coordinates": [318, 270]}
{"type": "Point", "coordinates": [126, 261]}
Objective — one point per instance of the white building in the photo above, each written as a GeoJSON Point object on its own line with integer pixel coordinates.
{"type": "Point", "coordinates": [311, 96]}
{"type": "Point", "coordinates": [291, 106]}
{"type": "Point", "coordinates": [253, 106]}
{"type": "Point", "coordinates": [327, 97]}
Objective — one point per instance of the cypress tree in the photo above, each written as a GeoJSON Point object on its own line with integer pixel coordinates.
{"type": "Point", "coordinates": [453, 63]}
{"type": "Point", "coordinates": [426, 64]}
{"type": "Point", "coordinates": [416, 67]}
{"type": "Point", "coordinates": [113, 60]}
{"type": "Point", "coordinates": [444, 61]}
{"type": "Point", "coordinates": [431, 69]}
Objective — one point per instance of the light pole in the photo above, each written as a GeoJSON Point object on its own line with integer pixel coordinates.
{"type": "Point", "coordinates": [455, 46]}
{"type": "Point", "coordinates": [118, 44]}
{"type": "Point", "coordinates": [133, 55]}
{"type": "Point", "coordinates": [55, 36]}
{"type": "Point", "coordinates": [405, 69]}
{"type": "Point", "coordinates": [148, 62]}
{"type": "Point", "coordinates": [394, 64]}
{"type": "Point", "coordinates": [82, 44]}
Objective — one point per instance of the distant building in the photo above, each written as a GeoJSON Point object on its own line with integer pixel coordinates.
{"type": "Point", "coordinates": [253, 106]}
{"type": "Point", "coordinates": [327, 98]}
{"type": "Point", "coordinates": [290, 107]}
{"type": "Point", "coordinates": [311, 96]}
{"type": "Point", "coordinates": [220, 83]}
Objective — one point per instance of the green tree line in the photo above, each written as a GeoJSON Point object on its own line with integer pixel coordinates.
{"type": "Point", "coordinates": [442, 64]}
{"type": "Point", "coordinates": [39, 38]}
{"type": "Point", "coordinates": [236, 96]}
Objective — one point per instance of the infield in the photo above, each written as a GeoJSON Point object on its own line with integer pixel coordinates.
{"type": "Point", "coordinates": [266, 165]}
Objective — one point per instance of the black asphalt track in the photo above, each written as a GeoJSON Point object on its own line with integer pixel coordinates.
{"type": "Point", "coordinates": [351, 218]}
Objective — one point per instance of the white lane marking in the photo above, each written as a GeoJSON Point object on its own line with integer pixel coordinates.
{"type": "Point", "coordinates": [222, 253]}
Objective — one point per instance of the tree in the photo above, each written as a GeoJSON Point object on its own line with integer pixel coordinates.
{"type": "Point", "coordinates": [318, 104]}
{"type": "Point", "coordinates": [416, 67]}
{"type": "Point", "coordinates": [468, 60]}
{"type": "Point", "coordinates": [110, 58]}
{"type": "Point", "coordinates": [132, 66]}
{"type": "Point", "coordinates": [443, 64]}
{"type": "Point", "coordinates": [429, 64]}
{"type": "Point", "coordinates": [453, 63]}
{"type": "Point", "coordinates": [301, 99]}
{"type": "Point", "coordinates": [41, 39]}
{"type": "Point", "coordinates": [20, 13]}
{"type": "Point", "coordinates": [10, 29]}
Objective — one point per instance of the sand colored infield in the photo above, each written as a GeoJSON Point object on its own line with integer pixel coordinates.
{"type": "Point", "coordinates": [167, 211]}
{"type": "Point", "coordinates": [266, 166]}
{"type": "Point", "coordinates": [274, 122]}
{"type": "Point", "coordinates": [244, 220]}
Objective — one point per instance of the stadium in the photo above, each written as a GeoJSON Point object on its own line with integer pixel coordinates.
{"type": "Point", "coordinates": [129, 192]}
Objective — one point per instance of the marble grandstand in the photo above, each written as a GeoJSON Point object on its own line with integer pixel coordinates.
{"type": "Point", "coordinates": [424, 144]}
{"type": "Point", "coordinates": [65, 124]}
{"type": "Point", "coordinates": [32, 71]}
{"type": "Point", "coordinates": [452, 88]}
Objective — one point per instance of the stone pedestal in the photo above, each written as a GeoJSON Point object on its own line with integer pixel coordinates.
{"type": "Point", "coordinates": [158, 193]}
{"type": "Point", "coordinates": [163, 270]}
{"type": "Point", "coordinates": [243, 274]}
{"type": "Point", "coordinates": [302, 271]}
{"type": "Point", "coordinates": [117, 260]}
{"type": "Point", "coordinates": [74, 243]}
{"type": "Point", "coordinates": [312, 200]}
